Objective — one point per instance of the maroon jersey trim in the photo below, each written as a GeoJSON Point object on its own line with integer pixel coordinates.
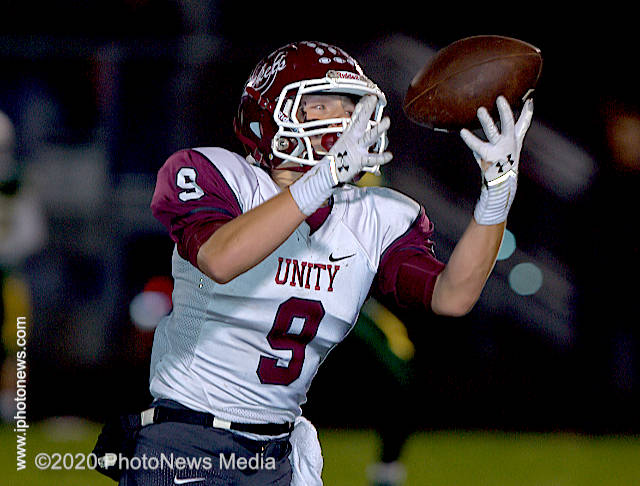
{"type": "Point", "coordinates": [192, 219]}
{"type": "Point", "coordinates": [408, 268]}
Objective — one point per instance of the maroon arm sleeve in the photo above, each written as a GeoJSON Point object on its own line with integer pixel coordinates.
{"type": "Point", "coordinates": [192, 200]}
{"type": "Point", "coordinates": [408, 268]}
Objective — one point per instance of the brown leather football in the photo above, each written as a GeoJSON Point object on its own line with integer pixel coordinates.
{"type": "Point", "coordinates": [468, 74]}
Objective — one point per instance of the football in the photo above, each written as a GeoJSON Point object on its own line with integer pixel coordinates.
{"type": "Point", "coordinates": [469, 73]}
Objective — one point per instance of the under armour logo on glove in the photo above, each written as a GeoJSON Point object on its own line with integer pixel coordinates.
{"type": "Point", "coordinates": [341, 165]}
{"type": "Point", "coordinates": [501, 165]}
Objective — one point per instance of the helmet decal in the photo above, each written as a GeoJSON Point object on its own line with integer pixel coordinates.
{"type": "Point", "coordinates": [262, 80]}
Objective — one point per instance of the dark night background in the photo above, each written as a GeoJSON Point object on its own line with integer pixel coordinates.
{"type": "Point", "coordinates": [102, 92]}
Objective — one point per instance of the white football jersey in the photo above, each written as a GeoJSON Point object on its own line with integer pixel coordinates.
{"type": "Point", "coordinates": [247, 351]}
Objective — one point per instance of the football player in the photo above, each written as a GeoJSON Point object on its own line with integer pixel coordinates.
{"type": "Point", "coordinates": [276, 253]}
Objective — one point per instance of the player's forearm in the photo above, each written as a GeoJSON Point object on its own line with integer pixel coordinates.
{"type": "Point", "coordinates": [245, 241]}
{"type": "Point", "coordinates": [460, 284]}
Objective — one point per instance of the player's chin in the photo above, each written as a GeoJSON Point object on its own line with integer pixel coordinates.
{"type": "Point", "coordinates": [316, 144]}
{"type": "Point", "coordinates": [319, 150]}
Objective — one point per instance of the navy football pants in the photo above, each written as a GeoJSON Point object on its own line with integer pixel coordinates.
{"type": "Point", "coordinates": [169, 454]}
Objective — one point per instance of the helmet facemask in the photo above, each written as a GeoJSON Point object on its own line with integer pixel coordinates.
{"type": "Point", "coordinates": [292, 141]}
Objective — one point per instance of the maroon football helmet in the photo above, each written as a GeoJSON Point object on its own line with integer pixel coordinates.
{"type": "Point", "coordinates": [267, 121]}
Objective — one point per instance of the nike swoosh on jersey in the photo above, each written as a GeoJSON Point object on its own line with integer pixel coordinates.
{"type": "Point", "coordinates": [178, 480]}
{"type": "Point", "coordinates": [337, 259]}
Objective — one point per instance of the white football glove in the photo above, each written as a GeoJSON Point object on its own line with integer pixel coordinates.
{"type": "Point", "coordinates": [350, 154]}
{"type": "Point", "coordinates": [498, 159]}
{"type": "Point", "coordinates": [346, 159]}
